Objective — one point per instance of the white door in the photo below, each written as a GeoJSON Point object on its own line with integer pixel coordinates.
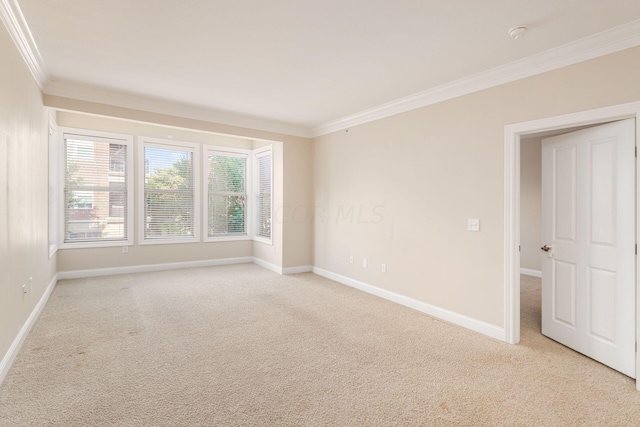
{"type": "Point", "coordinates": [588, 229]}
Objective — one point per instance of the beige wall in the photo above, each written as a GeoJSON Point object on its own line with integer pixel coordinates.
{"type": "Point", "coordinates": [92, 258]}
{"type": "Point", "coordinates": [292, 221]}
{"type": "Point", "coordinates": [297, 209]}
{"type": "Point", "coordinates": [530, 203]}
{"type": "Point", "coordinates": [106, 124]}
{"type": "Point", "coordinates": [297, 183]}
{"type": "Point", "coordinates": [24, 248]}
{"type": "Point", "coordinates": [426, 171]}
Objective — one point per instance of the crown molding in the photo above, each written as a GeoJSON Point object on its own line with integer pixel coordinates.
{"type": "Point", "coordinates": [158, 106]}
{"type": "Point", "coordinates": [14, 21]}
{"type": "Point", "coordinates": [590, 47]}
{"type": "Point", "coordinates": [593, 46]}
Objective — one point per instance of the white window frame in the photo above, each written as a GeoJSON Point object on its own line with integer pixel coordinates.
{"type": "Point", "coordinates": [232, 152]}
{"type": "Point", "coordinates": [54, 185]}
{"type": "Point", "coordinates": [257, 153]}
{"type": "Point", "coordinates": [169, 144]}
{"type": "Point", "coordinates": [98, 136]}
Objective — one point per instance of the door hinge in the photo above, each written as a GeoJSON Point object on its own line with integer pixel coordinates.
{"type": "Point", "coordinates": [636, 151]}
{"type": "Point", "coordinates": [636, 249]}
{"type": "Point", "coordinates": [519, 250]}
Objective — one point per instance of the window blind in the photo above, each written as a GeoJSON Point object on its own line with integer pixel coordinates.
{"type": "Point", "coordinates": [263, 203]}
{"type": "Point", "coordinates": [95, 189]}
{"type": "Point", "coordinates": [227, 194]}
{"type": "Point", "coordinates": [168, 193]}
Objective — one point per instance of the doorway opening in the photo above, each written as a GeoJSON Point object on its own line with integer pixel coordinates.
{"type": "Point", "coordinates": [515, 136]}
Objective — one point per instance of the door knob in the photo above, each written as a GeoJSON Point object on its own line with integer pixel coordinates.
{"type": "Point", "coordinates": [546, 248]}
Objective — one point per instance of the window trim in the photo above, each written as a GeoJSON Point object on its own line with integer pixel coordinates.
{"type": "Point", "coordinates": [248, 223]}
{"type": "Point", "coordinates": [257, 153]}
{"type": "Point", "coordinates": [54, 184]}
{"type": "Point", "coordinates": [98, 136]}
{"type": "Point", "coordinates": [195, 148]}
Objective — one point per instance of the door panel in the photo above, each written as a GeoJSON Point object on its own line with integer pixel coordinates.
{"type": "Point", "coordinates": [564, 293]}
{"type": "Point", "coordinates": [602, 288]}
{"type": "Point", "coordinates": [565, 194]}
{"type": "Point", "coordinates": [603, 191]}
{"type": "Point", "coordinates": [588, 220]}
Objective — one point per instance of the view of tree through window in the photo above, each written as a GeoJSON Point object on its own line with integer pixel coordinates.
{"type": "Point", "coordinates": [168, 193]}
{"type": "Point", "coordinates": [226, 194]}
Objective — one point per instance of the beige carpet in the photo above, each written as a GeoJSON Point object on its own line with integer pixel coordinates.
{"type": "Point", "coordinates": [241, 346]}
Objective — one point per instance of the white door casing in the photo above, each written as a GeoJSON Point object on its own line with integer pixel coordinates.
{"type": "Point", "coordinates": [588, 221]}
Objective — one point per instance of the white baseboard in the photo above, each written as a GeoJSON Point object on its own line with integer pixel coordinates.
{"type": "Point", "coordinates": [11, 354]}
{"type": "Point", "coordinates": [80, 274]}
{"type": "Point", "coordinates": [297, 270]}
{"type": "Point", "coordinates": [529, 272]}
{"type": "Point", "coordinates": [283, 270]}
{"type": "Point", "coordinates": [267, 265]}
{"type": "Point", "coordinates": [437, 312]}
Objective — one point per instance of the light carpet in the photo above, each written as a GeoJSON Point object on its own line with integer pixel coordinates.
{"type": "Point", "coordinates": [241, 346]}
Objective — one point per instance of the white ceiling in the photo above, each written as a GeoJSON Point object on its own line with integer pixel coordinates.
{"type": "Point", "coordinates": [296, 62]}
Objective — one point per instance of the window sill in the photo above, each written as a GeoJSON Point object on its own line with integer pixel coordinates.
{"type": "Point", "coordinates": [86, 245]}
{"type": "Point", "coordinates": [227, 238]}
{"type": "Point", "coordinates": [168, 241]}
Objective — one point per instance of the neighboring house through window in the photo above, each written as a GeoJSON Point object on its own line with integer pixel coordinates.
{"type": "Point", "coordinates": [91, 186]}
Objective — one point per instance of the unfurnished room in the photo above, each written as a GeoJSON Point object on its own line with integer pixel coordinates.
{"type": "Point", "coordinates": [319, 213]}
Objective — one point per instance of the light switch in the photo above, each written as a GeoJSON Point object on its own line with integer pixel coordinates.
{"type": "Point", "coordinates": [473, 224]}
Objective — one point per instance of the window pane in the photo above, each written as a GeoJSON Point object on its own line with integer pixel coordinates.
{"type": "Point", "coordinates": [169, 193]}
{"type": "Point", "coordinates": [227, 174]}
{"type": "Point", "coordinates": [264, 196]}
{"type": "Point", "coordinates": [90, 185]}
{"type": "Point", "coordinates": [88, 217]}
{"type": "Point", "coordinates": [80, 200]}
{"type": "Point", "coordinates": [226, 195]}
{"type": "Point", "coordinates": [226, 215]}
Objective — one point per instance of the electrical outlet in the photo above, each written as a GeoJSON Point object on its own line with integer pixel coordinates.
{"type": "Point", "coordinates": [24, 289]}
{"type": "Point", "coordinates": [384, 268]}
{"type": "Point", "coordinates": [365, 263]}
{"type": "Point", "coordinates": [473, 224]}
{"type": "Point", "coordinates": [351, 259]}
{"type": "Point", "coordinates": [125, 249]}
